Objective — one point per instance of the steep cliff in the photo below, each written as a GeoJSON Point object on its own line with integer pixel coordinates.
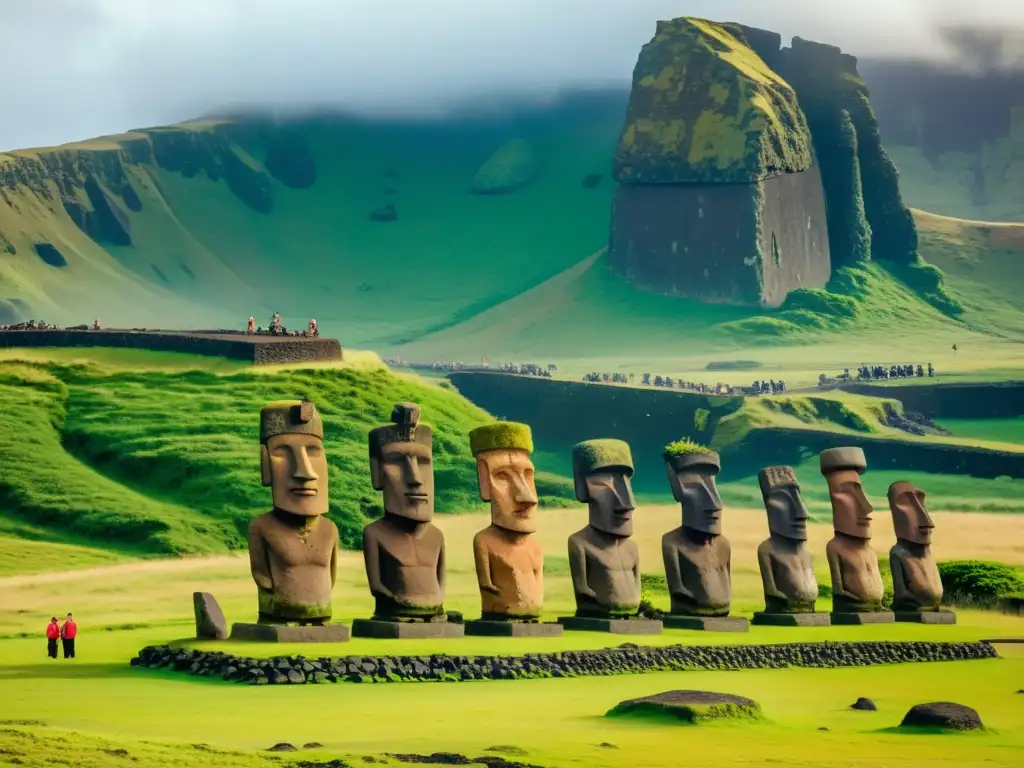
{"type": "Point", "coordinates": [720, 198]}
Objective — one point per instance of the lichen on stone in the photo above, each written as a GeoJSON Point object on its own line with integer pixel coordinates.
{"type": "Point", "coordinates": [705, 109]}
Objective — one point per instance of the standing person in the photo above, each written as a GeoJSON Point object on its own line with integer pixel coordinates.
{"type": "Point", "coordinates": [52, 633]}
{"type": "Point", "coordinates": [67, 634]}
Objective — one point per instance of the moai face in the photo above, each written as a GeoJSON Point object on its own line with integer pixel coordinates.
{"type": "Point", "coordinates": [402, 465]}
{"type": "Point", "coordinates": [787, 513]}
{"type": "Point", "coordinates": [602, 470]}
{"type": "Point", "coordinates": [506, 481]}
{"type": "Point", "coordinates": [292, 458]}
{"type": "Point", "coordinates": [692, 478]}
{"type": "Point", "coordinates": [909, 514]}
{"type": "Point", "coordinates": [851, 510]}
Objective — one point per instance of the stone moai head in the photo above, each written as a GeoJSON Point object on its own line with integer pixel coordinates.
{"type": "Point", "coordinates": [787, 513]}
{"type": "Point", "coordinates": [910, 516]}
{"type": "Point", "coordinates": [505, 474]}
{"type": "Point", "coordinates": [402, 464]}
{"type": "Point", "coordinates": [601, 471]}
{"type": "Point", "coordinates": [292, 458]}
{"type": "Point", "coordinates": [691, 474]}
{"type": "Point", "coordinates": [851, 510]}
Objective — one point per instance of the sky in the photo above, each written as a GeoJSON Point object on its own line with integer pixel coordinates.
{"type": "Point", "coordinates": [73, 69]}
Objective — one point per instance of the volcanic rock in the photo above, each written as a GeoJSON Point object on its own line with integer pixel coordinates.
{"type": "Point", "coordinates": [283, 746]}
{"type": "Point", "coordinates": [691, 706]}
{"type": "Point", "coordinates": [210, 621]}
{"type": "Point", "coordinates": [942, 714]}
{"type": "Point", "coordinates": [864, 705]}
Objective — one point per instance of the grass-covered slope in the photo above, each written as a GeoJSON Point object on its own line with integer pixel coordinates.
{"type": "Point", "coordinates": [154, 460]}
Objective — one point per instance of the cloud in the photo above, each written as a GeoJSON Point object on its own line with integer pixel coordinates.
{"type": "Point", "coordinates": [78, 68]}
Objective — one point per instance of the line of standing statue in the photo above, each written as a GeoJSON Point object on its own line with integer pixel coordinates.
{"type": "Point", "coordinates": [293, 549]}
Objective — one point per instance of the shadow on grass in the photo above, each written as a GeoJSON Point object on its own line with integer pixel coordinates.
{"type": "Point", "coordinates": [65, 670]}
{"type": "Point", "coordinates": [907, 730]}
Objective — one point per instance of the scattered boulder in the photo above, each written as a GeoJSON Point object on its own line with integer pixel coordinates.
{"type": "Point", "coordinates": [513, 166]}
{"type": "Point", "coordinates": [943, 714]}
{"type": "Point", "coordinates": [283, 746]}
{"type": "Point", "coordinates": [386, 212]}
{"type": "Point", "coordinates": [592, 180]}
{"type": "Point", "coordinates": [864, 705]}
{"type": "Point", "coordinates": [50, 255]}
{"type": "Point", "coordinates": [210, 621]}
{"type": "Point", "coordinates": [289, 158]}
{"type": "Point", "coordinates": [691, 706]}
{"type": "Point", "coordinates": [607, 745]}
{"type": "Point", "coordinates": [312, 745]}
{"type": "Point", "coordinates": [455, 617]}
{"type": "Point", "coordinates": [247, 179]}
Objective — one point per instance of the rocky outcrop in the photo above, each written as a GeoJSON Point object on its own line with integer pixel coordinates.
{"type": "Point", "coordinates": [513, 166]}
{"type": "Point", "coordinates": [289, 158]}
{"type": "Point", "coordinates": [719, 196]}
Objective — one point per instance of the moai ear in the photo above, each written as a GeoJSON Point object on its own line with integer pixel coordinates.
{"type": "Point", "coordinates": [483, 477]}
{"type": "Point", "coordinates": [265, 476]}
{"type": "Point", "coordinates": [376, 474]}
{"type": "Point", "coordinates": [580, 481]}
{"type": "Point", "coordinates": [673, 482]}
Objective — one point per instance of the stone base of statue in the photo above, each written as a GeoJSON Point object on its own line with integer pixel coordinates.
{"type": "Point", "coordinates": [872, 617]}
{"type": "Point", "coordinates": [511, 628]}
{"type": "Point", "coordinates": [392, 629]}
{"type": "Point", "coordinates": [926, 617]}
{"type": "Point", "coordinates": [627, 625]}
{"type": "Point", "coordinates": [707, 623]}
{"type": "Point", "coordinates": [283, 633]}
{"type": "Point", "coordinates": [763, 619]}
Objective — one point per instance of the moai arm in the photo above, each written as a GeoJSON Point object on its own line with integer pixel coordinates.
{"type": "Point", "coordinates": [835, 566]}
{"type": "Point", "coordinates": [483, 564]}
{"type": "Point", "coordinates": [334, 563]}
{"type": "Point", "coordinates": [442, 575]}
{"type": "Point", "coordinates": [259, 562]}
{"type": "Point", "coordinates": [764, 561]}
{"type": "Point", "coordinates": [578, 568]}
{"type": "Point", "coordinates": [673, 573]}
{"type": "Point", "coordinates": [899, 582]}
{"type": "Point", "coordinates": [371, 557]}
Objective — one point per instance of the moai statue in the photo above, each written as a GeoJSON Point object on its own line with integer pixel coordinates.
{"type": "Point", "coordinates": [786, 564]}
{"type": "Point", "coordinates": [917, 588]}
{"type": "Point", "coordinates": [404, 551]}
{"type": "Point", "coordinates": [698, 558]}
{"type": "Point", "coordinates": [857, 588]}
{"type": "Point", "coordinates": [603, 560]}
{"type": "Point", "coordinates": [293, 549]}
{"type": "Point", "coordinates": [509, 561]}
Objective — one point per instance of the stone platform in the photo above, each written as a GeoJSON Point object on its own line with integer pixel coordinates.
{"type": "Point", "coordinates": [708, 623]}
{"type": "Point", "coordinates": [875, 617]}
{"type": "Point", "coordinates": [259, 349]}
{"type": "Point", "coordinates": [406, 630]}
{"type": "Point", "coordinates": [926, 617]}
{"type": "Point", "coordinates": [762, 619]}
{"type": "Point", "coordinates": [481, 628]}
{"type": "Point", "coordinates": [280, 633]}
{"type": "Point", "coordinates": [614, 626]}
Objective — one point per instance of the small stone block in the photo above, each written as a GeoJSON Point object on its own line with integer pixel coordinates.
{"type": "Point", "coordinates": [614, 626]}
{"type": "Point", "coordinates": [406, 630]}
{"type": "Point", "coordinates": [482, 628]}
{"type": "Point", "coordinates": [875, 617]}
{"type": "Point", "coordinates": [708, 623]}
{"type": "Point", "coordinates": [791, 619]}
{"type": "Point", "coordinates": [281, 633]}
{"type": "Point", "coordinates": [927, 617]}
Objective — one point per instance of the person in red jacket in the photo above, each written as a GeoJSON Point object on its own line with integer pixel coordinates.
{"type": "Point", "coordinates": [68, 631]}
{"type": "Point", "coordinates": [52, 633]}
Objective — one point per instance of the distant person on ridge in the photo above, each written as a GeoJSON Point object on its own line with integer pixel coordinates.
{"type": "Point", "coordinates": [52, 633]}
{"type": "Point", "coordinates": [68, 631]}
{"type": "Point", "coordinates": [252, 325]}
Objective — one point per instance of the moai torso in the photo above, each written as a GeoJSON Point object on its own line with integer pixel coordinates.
{"type": "Point", "coordinates": [299, 559]}
{"type": "Point", "coordinates": [856, 581]}
{"type": "Point", "coordinates": [410, 564]}
{"type": "Point", "coordinates": [697, 567]}
{"type": "Point", "coordinates": [608, 567]}
{"type": "Point", "coordinates": [787, 573]}
{"type": "Point", "coordinates": [915, 578]}
{"type": "Point", "coordinates": [514, 566]}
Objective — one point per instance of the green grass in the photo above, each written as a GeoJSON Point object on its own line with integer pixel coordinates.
{"type": "Point", "coordinates": [21, 555]}
{"type": "Point", "coordinates": [989, 430]}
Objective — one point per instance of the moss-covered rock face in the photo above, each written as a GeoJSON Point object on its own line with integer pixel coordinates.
{"type": "Point", "coordinates": [513, 166]}
{"type": "Point", "coordinates": [705, 108]}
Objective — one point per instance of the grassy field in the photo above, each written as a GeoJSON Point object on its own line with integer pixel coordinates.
{"type": "Point", "coordinates": [122, 607]}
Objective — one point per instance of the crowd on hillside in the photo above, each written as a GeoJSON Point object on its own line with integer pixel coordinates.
{"type": "Point", "coordinates": [41, 325]}
{"type": "Point", "coordinates": [880, 373]}
{"type": "Point", "coordinates": [666, 382]}
{"type": "Point", "coordinates": [769, 387]}
{"type": "Point", "coordinates": [519, 369]}
{"type": "Point", "coordinates": [276, 328]}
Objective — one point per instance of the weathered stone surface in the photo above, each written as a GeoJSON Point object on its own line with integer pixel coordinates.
{"type": "Point", "coordinates": [281, 633]}
{"type": "Point", "coordinates": [748, 244]}
{"type": "Point", "coordinates": [406, 630]}
{"type": "Point", "coordinates": [856, 619]}
{"type": "Point", "coordinates": [864, 705]}
{"type": "Point", "coordinates": [513, 629]}
{"type": "Point", "coordinates": [706, 109]}
{"type": "Point", "coordinates": [943, 714]}
{"type": "Point", "coordinates": [210, 621]}
{"type": "Point", "coordinates": [513, 166]}
{"type": "Point", "coordinates": [624, 626]}
{"type": "Point", "coordinates": [926, 617]}
{"type": "Point", "coordinates": [791, 619]}
{"type": "Point", "coordinates": [626, 659]}
{"type": "Point", "coordinates": [691, 706]}
{"type": "Point", "coordinates": [708, 623]}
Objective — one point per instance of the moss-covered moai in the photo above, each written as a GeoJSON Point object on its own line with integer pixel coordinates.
{"type": "Point", "coordinates": [698, 558]}
{"type": "Point", "coordinates": [857, 588]}
{"type": "Point", "coordinates": [404, 551]}
{"type": "Point", "coordinates": [509, 561]}
{"type": "Point", "coordinates": [916, 584]}
{"type": "Point", "coordinates": [293, 549]}
{"type": "Point", "coordinates": [785, 562]}
{"type": "Point", "coordinates": [603, 560]}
